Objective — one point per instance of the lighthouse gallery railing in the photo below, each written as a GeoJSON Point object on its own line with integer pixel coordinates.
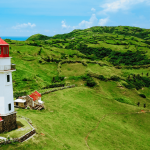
{"type": "Point", "coordinates": [7, 67]}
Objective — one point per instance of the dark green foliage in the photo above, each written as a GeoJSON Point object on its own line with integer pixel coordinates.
{"type": "Point", "coordinates": [27, 79]}
{"type": "Point", "coordinates": [124, 101]}
{"type": "Point", "coordinates": [7, 40]}
{"type": "Point", "coordinates": [39, 53]}
{"type": "Point", "coordinates": [114, 78]}
{"type": "Point", "coordinates": [18, 94]}
{"type": "Point", "coordinates": [142, 95]}
{"type": "Point", "coordinates": [129, 58]}
{"type": "Point", "coordinates": [101, 77]}
{"type": "Point", "coordinates": [90, 82]}
{"type": "Point", "coordinates": [137, 82]}
{"type": "Point", "coordinates": [57, 79]}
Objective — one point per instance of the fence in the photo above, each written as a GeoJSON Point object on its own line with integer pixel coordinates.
{"type": "Point", "coordinates": [7, 67]}
{"type": "Point", "coordinates": [53, 90]}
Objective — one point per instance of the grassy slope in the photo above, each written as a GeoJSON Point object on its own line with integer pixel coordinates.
{"type": "Point", "coordinates": [70, 114]}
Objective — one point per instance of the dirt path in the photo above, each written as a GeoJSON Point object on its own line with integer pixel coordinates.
{"type": "Point", "coordinates": [86, 138]}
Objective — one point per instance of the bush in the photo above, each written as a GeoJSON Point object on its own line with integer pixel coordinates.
{"type": "Point", "coordinates": [101, 77]}
{"type": "Point", "coordinates": [90, 82]}
{"type": "Point", "coordinates": [114, 78]}
{"type": "Point", "coordinates": [19, 94]}
{"type": "Point", "coordinates": [142, 95]}
{"type": "Point", "coordinates": [137, 82]}
{"type": "Point", "coordinates": [127, 101]}
{"type": "Point", "coordinates": [57, 79]}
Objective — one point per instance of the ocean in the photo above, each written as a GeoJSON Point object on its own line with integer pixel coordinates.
{"type": "Point", "coordinates": [18, 38]}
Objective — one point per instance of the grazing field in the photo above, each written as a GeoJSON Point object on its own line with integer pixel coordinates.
{"type": "Point", "coordinates": [72, 113]}
{"type": "Point", "coordinates": [74, 69]}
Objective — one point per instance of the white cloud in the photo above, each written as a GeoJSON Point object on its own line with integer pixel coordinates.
{"type": "Point", "coordinates": [103, 22]}
{"type": "Point", "coordinates": [24, 25]}
{"type": "Point", "coordinates": [93, 9]}
{"type": "Point", "coordinates": [86, 24]}
{"type": "Point", "coordinates": [119, 4]}
{"type": "Point", "coordinates": [64, 25]}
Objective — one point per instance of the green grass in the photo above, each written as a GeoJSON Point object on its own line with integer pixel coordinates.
{"type": "Point", "coordinates": [106, 71]}
{"type": "Point", "coordinates": [74, 69]}
{"type": "Point", "coordinates": [72, 113]}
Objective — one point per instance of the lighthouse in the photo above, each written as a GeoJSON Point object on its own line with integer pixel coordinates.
{"type": "Point", "coordinates": [7, 113]}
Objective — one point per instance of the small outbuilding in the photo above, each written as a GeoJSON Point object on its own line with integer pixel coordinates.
{"type": "Point", "coordinates": [20, 103]}
{"type": "Point", "coordinates": [33, 101]}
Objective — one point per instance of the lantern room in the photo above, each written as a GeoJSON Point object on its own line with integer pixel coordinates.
{"type": "Point", "coordinates": [4, 48]}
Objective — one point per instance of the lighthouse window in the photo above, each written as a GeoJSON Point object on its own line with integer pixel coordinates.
{"type": "Point", "coordinates": [8, 78]}
{"type": "Point", "coordinates": [7, 50]}
{"type": "Point", "coordinates": [9, 107]}
{"type": "Point", "coordinates": [0, 50]}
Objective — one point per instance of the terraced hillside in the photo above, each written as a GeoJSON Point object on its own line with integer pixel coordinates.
{"type": "Point", "coordinates": [110, 68]}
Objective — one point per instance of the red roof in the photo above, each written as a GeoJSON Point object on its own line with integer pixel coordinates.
{"type": "Point", "coordinates": [35, 95]}
{"type": "Point", "coordinates": [1, 119]}
{"type": "Point", "coordinates": [2, 42]}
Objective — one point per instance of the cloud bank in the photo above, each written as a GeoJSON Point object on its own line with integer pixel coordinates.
{"type": "Point", "coordinates": [24, 25]}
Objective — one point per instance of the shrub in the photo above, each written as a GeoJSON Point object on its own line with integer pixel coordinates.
{"type": "Point", "coordinates": [90, 82]}
{"type": "Point", "coordinates": [101, 77]}
{"type": "Point", "coordinates": [18, 94]}
{"type": "Point", "coordinates": [142, 95]}
{"type": "Point", "coordinates": [127, 101]}
{"type": "Point", "coordinates": [114, 78]}
{"type": "Point", "coordinates": [57, 79]}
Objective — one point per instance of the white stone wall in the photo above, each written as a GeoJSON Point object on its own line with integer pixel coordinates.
{"type": "Point", "coordinates": [5, 60]}
{"type": "Point", "coordinates": [6, 90]}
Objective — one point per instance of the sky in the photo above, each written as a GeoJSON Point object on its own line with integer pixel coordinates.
{"type": "Point", "coordinates": [51, 17]}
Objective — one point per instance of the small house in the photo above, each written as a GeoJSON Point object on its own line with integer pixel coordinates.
{"type": "Point", "coordinates": [33, 101]}
{"type": "Point", "coordinates": [20, 103]}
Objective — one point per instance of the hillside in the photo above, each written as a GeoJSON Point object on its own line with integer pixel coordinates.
{"type": "Point", "coordinates": [110, 68]}
{"type": "Point", "coordinates": [38, 37]}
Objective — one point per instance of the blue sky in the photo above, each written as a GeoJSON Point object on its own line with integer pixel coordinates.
{"type": "Point", "coordinates": [50, 17]}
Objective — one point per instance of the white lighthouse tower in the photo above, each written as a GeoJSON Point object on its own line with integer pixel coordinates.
{"type": "Point", "coordinates": [7, 113]}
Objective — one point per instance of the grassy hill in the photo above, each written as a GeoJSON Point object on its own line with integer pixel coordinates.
{"type": "Point", "coordinates": [38, 37]}
{"type": "Point", "coordinates": [110, 68]}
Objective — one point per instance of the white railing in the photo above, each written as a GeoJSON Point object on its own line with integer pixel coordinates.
{"type": "Point", "coordinates": [7, 67]}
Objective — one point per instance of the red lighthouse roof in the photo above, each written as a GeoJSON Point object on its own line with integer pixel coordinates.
{"type": "Point", "coordinates": [2, 42]}
{"type": "Point", "coordinates": [35, 95]}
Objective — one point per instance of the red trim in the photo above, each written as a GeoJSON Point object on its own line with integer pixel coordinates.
{"type": "Point", "coordinates": [1, 119]}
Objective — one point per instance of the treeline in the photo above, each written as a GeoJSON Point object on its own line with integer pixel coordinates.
{"type": "Point", "coordinates": [115, 57]}
{"type": "Point", "coordinates": [137, 81]}
{"type": "Point", "coordinates": [128, 58]}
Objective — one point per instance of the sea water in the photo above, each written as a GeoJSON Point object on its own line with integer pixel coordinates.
{"type": "Point", "coordinates": [18, 38]}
